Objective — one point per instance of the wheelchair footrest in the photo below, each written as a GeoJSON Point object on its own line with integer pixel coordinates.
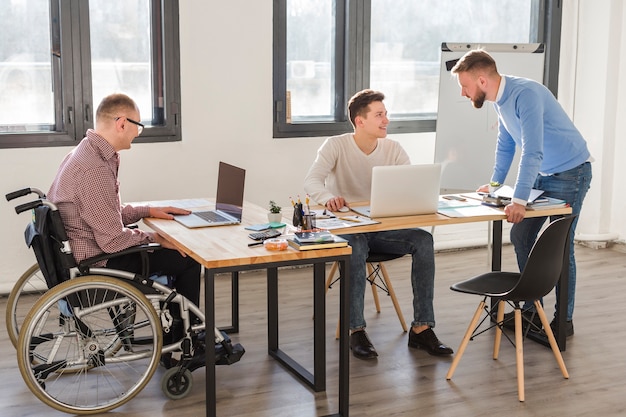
{"type": "Point", "coordinates": [228, 355]}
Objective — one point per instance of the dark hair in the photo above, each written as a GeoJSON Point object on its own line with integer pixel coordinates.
{"type": "Point", "coordinates": [359, 103]}
{"type": "Point", "coordinates": [113, 104]}
{"type": "Point", "coordinates": [476, 59]}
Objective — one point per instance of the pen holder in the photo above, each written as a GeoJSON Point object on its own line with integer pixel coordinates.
{"type": "Point", "coordinates": [297, 215]}
{"type": "Point", "coordinates": [308, 221]}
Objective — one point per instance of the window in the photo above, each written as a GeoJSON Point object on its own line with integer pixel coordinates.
{"type": "Point", "coordinates": [326, 50]}
{"type": "Point", "coordinates": [58, 59]}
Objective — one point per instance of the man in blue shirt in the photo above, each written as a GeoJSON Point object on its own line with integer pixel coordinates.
{"type": "Point", "coordinates": [554, 155]}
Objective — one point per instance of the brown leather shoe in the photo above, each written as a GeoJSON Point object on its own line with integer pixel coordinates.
{"type": "Point", "coordinates": [361, 346]}
{"type": "Point", "coordinates": [427, 340]}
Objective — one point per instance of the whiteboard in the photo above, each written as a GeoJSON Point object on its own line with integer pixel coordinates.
{"type": "Point", "coordinates": [466, 137]}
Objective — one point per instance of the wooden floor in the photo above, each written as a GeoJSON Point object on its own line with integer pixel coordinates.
{"type": "Point", "coordinates": [403, 381]}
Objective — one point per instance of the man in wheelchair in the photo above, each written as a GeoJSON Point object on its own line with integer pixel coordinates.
{"type": "Point", "coordinates": [86, 192]}
{"type": "Point", "coordinates": [114, 318]}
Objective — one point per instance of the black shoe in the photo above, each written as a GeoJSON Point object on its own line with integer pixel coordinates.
{"type": "Point", "coordinates": [509, 320]}
{"type": "Point", "coordinates": [569, 327]}
{"type": "Point", "coordinates": [361, 346]}
{"type": "Point", "coordinates": [427, 339]}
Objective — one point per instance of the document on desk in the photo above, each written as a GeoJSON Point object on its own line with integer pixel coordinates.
{"type": "Point", "coordinates": [343, 222]}
{"type": "Point", "coordinates": [468, 208]}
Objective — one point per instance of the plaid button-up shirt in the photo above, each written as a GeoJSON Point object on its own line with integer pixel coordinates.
{"type": "Point", "coordinates": [86, 191]}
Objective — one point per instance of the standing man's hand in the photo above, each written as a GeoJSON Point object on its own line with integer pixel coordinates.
{"type": "Point", "coordinates": [515, 212]}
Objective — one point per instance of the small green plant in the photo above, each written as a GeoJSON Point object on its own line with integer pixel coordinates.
{"type": "Point", "coordinates": [274, 208]}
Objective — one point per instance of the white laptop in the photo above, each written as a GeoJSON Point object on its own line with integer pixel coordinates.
{"type": "Point", "coordinates": [228, 201]}
{"type": "Point", "coordinates": [403, 190]}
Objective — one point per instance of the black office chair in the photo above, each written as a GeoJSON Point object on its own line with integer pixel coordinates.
{"type": "Point", "coordinates": [378, 278]}
{"type": "Point", "coordinates": [539, 277]}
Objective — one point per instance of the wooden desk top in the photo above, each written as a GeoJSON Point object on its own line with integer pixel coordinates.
{"type": "Point", "coordinates": [436, 219]}
{"type": "Point", "coordinates": [227, 246]}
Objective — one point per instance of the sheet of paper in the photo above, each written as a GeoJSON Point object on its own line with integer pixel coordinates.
{"type": "Point", "coordinates": [507, 192]}
{"type": "Point", "coordinates": [470, 211]}
{"type": "Point", "coordinates": [343, 221]}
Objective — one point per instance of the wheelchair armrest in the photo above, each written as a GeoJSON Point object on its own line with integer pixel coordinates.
{"type": "Point", "coordinates": [142, 249]}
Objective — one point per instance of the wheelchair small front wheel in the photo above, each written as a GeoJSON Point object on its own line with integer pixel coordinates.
{"type": "Point", "coordinates": [176, 383]}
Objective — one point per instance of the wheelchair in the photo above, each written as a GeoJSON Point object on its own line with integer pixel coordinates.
{"type": "Point", "coordinates": [95, 338]}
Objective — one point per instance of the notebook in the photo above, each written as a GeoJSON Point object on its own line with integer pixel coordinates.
{"type": "Point", "coordinates": [228, 201]}
{"type": "Point", "coordinates": [403, 190]}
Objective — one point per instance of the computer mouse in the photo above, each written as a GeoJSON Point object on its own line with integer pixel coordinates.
{"type": "Point", "coordinates": [344, 209]}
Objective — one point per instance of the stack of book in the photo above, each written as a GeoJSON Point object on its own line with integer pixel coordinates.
{"type": "Point", "coordinates": [545, 203]}
{"type": "Point", "coordinates": [316, 240]}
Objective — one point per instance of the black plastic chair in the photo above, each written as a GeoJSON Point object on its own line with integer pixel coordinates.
{"type": "Point", "coordinates": [378, 278]}
{"type": "Point", "coordinates": [539, 277]}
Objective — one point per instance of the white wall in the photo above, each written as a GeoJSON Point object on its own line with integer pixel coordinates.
{"type": "Point", "coordinates": [226, 77]}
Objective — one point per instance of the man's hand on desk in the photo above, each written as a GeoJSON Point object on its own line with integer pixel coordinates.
{"type": "Point", "coordinates": [336, 203]}
{"type": "Point", "coordinates": [515, 212]}
{"type": "Point", "coordinates": [166, 212]}
{"type": "Point", "coordinates": [157, 238]}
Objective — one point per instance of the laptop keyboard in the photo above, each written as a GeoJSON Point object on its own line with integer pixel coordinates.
{"type": "Point", "coordinates": [211, 216]}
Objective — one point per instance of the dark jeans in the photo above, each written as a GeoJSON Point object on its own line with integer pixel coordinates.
{"type": "Point", "coordinates": [166, 262]}
{"type": "Point", "coordinates": [416, 242]}
{"type": "Point", "coordinates": [571, 186]}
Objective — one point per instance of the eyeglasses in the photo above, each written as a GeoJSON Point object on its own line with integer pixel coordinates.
{"type": "Point", "coordinates": [139, 125]}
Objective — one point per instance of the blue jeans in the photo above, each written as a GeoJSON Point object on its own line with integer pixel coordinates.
{"type": "Point", "coordinates": [416, 242]}
{"type": "Point", "coordinates": [571, 186]}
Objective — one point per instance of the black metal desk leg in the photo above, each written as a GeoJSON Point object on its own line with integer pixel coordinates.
{"type": "Point", "coordinates": [209, 313]}
{"type": "Point", "coordinates": [272, 310]}
{"type": "Point", "coordinates": [344, 337]}
{"type": "Point", "coordinates": [234, 297]}
{"type": "Point", "coordinates": [496, 252]}
{"type": "Point", "coordinates": [319, 329]}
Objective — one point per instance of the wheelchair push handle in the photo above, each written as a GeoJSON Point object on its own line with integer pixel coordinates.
{"type": "Point", "coordinates": [28, 206]}
{"type": "Point", "coordinates": [23, 192]}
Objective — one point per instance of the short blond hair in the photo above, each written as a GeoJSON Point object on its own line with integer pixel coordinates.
{"type": "Point", "coordinates": [113, 104]}
{"type": "Point", "coordinates": [474, 60]}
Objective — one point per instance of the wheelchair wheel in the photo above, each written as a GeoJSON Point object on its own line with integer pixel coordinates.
{"type": "Point", "coordinates": [89, 345]}
{"type": "Point", "coordinates": [26, 291]}
{"type": "Point", "coordinates": [176, 384]}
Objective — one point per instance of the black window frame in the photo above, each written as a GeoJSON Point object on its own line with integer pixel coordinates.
{"type": "Point", "coordinates": [351, 72]}
{"type": "Point", "coordinates": [71, 69]}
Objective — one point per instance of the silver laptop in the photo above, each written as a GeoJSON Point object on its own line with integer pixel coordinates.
{"type": "Point", "coordinates": [228, 201]}
{"type": "Point", "coordinates": [403, 190]}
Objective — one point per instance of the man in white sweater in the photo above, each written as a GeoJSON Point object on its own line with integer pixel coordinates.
{"type": "Point", "coordinates": [341, 174]}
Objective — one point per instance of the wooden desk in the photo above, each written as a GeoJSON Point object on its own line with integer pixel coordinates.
{"type": "Point", "coordinates": [225, 249]}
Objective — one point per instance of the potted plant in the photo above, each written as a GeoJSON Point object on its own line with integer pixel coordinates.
{"type": "Point", "coordinates": [275, 215]}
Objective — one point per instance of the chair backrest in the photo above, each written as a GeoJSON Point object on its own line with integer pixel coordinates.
{"type": "Point", "coordinates": [47, 237]}
{"type": "Point", "coordinates": [545, 262]}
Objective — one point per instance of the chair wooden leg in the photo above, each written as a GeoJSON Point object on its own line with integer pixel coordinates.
{"type": "Point", "coordinates": [331, 274]}
{"type": "Point", "coordinates": [519, 353]}
{"type": "Point", "coordinates": [371, 279]}
{"type": "Point", "coordinates": [394, 299]}
{"type": "Point", "coordinates": [466, 339]}
{"type": "Point", "coordinates": [551, 339]}
{"type": "Point", "coordinates": [498, 338]}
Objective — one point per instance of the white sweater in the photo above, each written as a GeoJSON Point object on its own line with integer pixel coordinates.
{"type": "Point", "coordinates": [341, 169]}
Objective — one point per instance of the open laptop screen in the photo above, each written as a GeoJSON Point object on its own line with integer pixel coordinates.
{"type": "Point", "coordinates": [229, 197]}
